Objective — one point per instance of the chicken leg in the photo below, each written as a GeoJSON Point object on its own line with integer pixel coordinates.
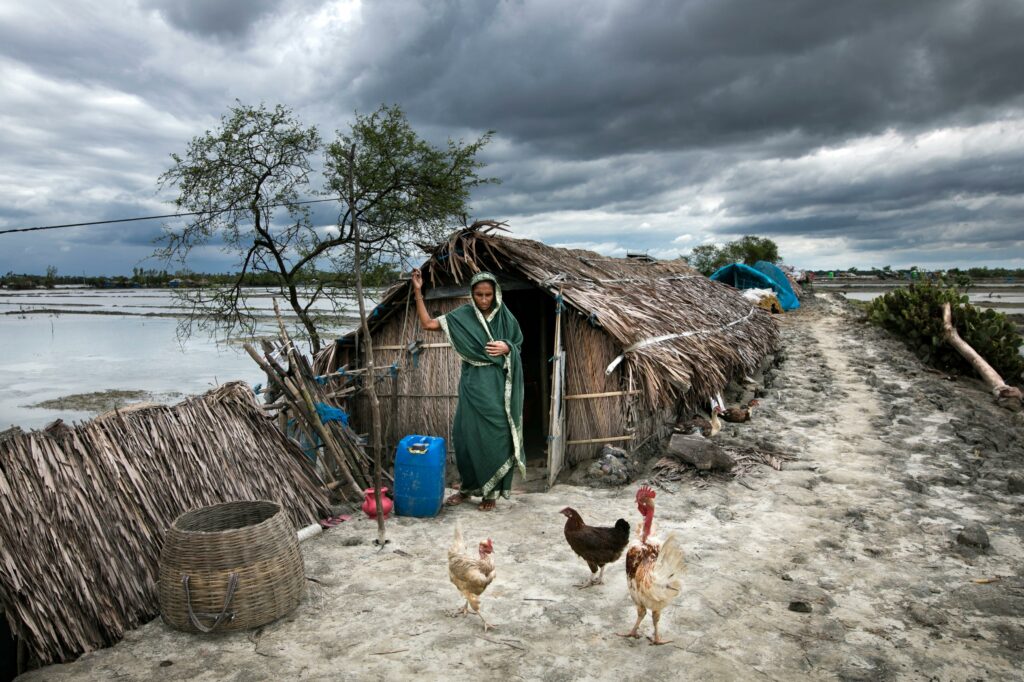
{"type": "Point", "coordinates": [640, 613]}
{"type": "Point", "coordinates": [594, 580]}
{"type": "Point", "coordinates": [487, 626]}
{"type": "Point", "coordinates": [655, 617]}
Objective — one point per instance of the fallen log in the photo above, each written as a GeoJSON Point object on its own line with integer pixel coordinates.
{"type": "Point", "coordinates": [700, 452]}
{"type": "Point", "coordinates": [1005, 395]}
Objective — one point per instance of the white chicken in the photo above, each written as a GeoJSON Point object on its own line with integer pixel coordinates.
{"type": "Point", "coordinates": [471, 575]}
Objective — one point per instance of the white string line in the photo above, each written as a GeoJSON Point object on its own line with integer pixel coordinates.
{"type": "Point", "coordinates": [668, 337]}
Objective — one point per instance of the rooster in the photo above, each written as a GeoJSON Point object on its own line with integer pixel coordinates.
{"type": "Point", "coordinates": [738, 415]}
{"type": "Point", "coordinates": [596, 545]}
{"type": "Point", "coordinates": [469, 574]}
{"type": "Point", "coordinates": [653, 570]}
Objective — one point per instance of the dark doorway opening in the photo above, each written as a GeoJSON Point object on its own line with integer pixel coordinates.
{"type": "Point", "coordinates": [535, 312]}
{"type": "Point", "coordinates": [8, 651]}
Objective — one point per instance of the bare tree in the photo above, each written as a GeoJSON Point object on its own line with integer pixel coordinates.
{"type": "Point", "coordinates": [238, 180]}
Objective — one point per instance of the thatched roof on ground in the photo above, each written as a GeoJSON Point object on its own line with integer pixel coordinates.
{"type": "Point", "coordinates": [83, 510]}
{"type": "Point", "coordinates": [633, 300]}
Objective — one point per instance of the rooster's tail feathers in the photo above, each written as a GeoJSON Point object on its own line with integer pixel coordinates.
{"type": "Point", "coordinates": [458, 545]}
{"type": "Point", "coordinates": [671, 562]}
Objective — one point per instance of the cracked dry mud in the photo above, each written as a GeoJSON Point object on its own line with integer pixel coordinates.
{"type": "Point", "coordinates": [844, 565]}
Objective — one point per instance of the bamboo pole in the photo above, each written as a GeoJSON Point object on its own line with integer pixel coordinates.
{"type": "Point", "coordinates": [606, 394]}
{"type": "Point", "coordinates": [314, 420]}
{"type": "Point", "coordinates": [1006, 396]}
{"type": "Point", "coordinates": [309, 414]}
{"type": "Point", "coordinates": [613, 439]}
{"type": "Point", "coordinates": [371, 387]}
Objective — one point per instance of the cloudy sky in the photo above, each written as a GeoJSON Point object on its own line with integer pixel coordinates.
{"type": "Point", "coordinates": [852, 133]}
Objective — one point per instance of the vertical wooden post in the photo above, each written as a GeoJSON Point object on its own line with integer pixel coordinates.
{"type": "Point", "coordinates": [22, 655]}
{"type": "Point", "coordinates": [371, 375]}
{"type": "Point", "coordinates": [556, 436]}
{"type": "Point", "coordinates": [545, 377]}
{"type": "Point", "coordinates": [394, 422]}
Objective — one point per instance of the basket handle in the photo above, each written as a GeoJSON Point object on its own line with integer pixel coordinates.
{"type": "Point", "coordinates": [220, 617]}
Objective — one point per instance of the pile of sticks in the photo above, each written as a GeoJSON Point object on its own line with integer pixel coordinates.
{"type": "Point", "coordinates": [297, 392]}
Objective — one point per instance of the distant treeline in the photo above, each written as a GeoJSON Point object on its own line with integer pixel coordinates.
{"type": "Point", "coordinates": [373, 276]}
{"type": "Point", "coordinates": [916, 272]}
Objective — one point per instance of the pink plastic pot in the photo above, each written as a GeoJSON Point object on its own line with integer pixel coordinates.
{"type": "Point", "coordinates": [370, 504]}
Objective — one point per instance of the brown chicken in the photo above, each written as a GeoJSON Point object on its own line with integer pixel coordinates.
{"type": "Point", "coordinates": [597, 545]}
{"type": "Point", "coordinates": [738, 415]}
{"type": "Point", "coordinates": [471, 575]}
{"type": "Point", "coordinates": [653, 570]}
{"type": "Point", "coordinates": [698, 424]}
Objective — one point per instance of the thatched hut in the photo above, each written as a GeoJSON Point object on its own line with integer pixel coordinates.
{"type": "Point", "coordinates": [614, 347]}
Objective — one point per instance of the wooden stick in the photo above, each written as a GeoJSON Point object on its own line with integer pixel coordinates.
{"type": "Point", "coordinates": [1006, 396]}
{"type": "Point", "coordinates": [422, 345]}
{"type": "Point", "coordinates": [22, 655]}
{"type": "Point", "coordinates": [312, 418]}
{"type": "Point", "coordinates": [613, 439]}
{"type": "Point", "coordinates": [427, 395]}
{"type": "Point", "coordinates": [607, 394]}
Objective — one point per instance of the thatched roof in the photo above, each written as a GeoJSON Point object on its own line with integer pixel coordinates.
{"type": "Point", "coordinates": [84, 509]}
{"type": "Point", "coordinates": [715, 332]}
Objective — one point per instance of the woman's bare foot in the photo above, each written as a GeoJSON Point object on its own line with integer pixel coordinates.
{"type": "Point", "coordinates": [487, 505]}
{"type": "Point", "coordinates": [455, 500]}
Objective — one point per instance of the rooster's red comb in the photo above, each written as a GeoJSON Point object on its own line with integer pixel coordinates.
{"type": "Point", "coordinates": [645, 493]}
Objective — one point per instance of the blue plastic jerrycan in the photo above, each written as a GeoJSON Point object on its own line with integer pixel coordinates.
{"type": "Point", "coordinates": [419, 475]}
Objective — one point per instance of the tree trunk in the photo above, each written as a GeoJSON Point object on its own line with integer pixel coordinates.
{"type": "Point", "coordinates": [314, 336]}
{"type": "Point", "coordinates": [370, 377]}
{"type": "Point", "coordinates": [1006, 396]}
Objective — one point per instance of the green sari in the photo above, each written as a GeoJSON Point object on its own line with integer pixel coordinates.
{"type": "Point", "coordinates": [488, 427]}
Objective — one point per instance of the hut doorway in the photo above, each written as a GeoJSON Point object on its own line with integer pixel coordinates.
{"type": "Point", "coordinates": [535, 312]}
{"type": "Point", "coordinates": [9, 658]}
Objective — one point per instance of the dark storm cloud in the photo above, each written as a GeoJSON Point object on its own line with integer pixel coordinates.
{"type": "Point", "coordinates": [857, 126]}
{"type": "Point", "coordinates": [619, 77]}
{"type": "Point", "coordinates": [224, 18]}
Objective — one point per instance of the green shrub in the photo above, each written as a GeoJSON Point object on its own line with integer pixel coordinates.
{"type": "Point", "coordinates": [914, 313]}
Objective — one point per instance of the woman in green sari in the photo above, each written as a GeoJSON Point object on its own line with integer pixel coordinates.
{"type": "Point", "coordinates": [488, 427]}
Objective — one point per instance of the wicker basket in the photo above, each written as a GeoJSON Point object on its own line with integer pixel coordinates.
{"type": "Point", "coordinates": [230, 567]}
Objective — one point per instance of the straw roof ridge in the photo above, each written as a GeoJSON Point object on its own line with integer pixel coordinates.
{"type": "Point", "coordinates": [85, 509]}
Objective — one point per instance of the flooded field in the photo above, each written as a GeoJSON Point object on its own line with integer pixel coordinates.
{"type": "Point", "coordinates": [1002, 303]}
{"type": "Point", "coordinates": [74, 353]}
{"type": "Point", "coordinates": [1003, 297]}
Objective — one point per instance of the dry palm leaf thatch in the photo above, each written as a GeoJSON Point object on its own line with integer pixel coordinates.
{"type": "Point", "coordinates": [84, 512]}
{"type": "Point", "coordinates": [713, 333]}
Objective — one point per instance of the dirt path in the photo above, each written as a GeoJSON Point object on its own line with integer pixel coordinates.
{"type": "Point", "coordinates": [861, 531]}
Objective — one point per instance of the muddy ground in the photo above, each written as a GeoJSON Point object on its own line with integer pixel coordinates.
{"type": "Point", "coordinates": [866, 530]}
{"type": "Point", "coordinates": [104, 401]}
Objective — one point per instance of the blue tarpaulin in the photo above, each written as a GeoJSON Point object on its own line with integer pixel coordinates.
{"type": "Point", "coordinates": [743, 276]}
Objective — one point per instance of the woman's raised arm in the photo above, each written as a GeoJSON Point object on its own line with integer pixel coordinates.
{"type": "Point", "coordinates": [426, 321]}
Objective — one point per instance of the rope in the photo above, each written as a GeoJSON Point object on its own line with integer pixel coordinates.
{"type": "Point", "coordinates": [232, 584]}
{"type": "Point", "coordinates": [669, 337]}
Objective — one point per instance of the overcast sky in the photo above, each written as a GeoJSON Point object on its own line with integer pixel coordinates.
{"type": "Point", "coordinates": [853, 133]}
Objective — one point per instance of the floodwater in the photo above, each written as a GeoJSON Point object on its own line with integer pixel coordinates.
{"type": "Point", "coordinates": [52, 347]}
{"type": "Point", "coordinates": [1009, 303]}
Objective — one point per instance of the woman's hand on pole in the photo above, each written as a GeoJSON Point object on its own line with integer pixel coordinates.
{"type": "Point", "coordinates": [417, 280]}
